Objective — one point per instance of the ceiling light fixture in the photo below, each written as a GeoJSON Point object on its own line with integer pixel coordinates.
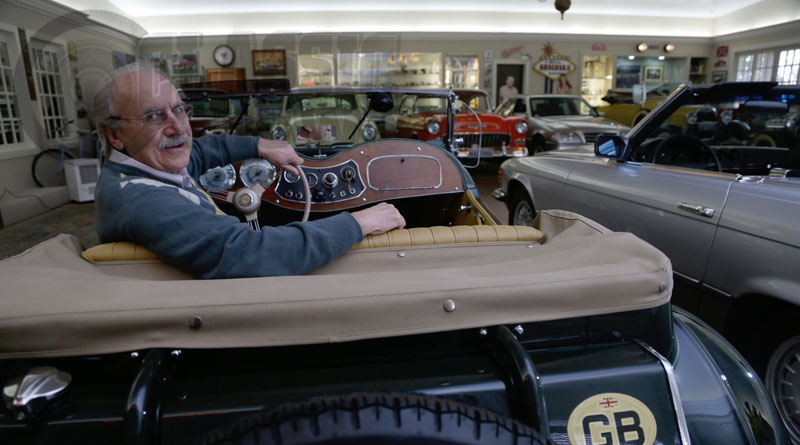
{"type": "Point", "coordinates": [642, 47]}
{"type": "Point", "coordinates": [661, 57]}
{"type": "Point", "coordinates": [631, 57]}
{"type": "Point", "coordinates": [669, 47]}
{"type": "Point", "coordinates": [562, 6]}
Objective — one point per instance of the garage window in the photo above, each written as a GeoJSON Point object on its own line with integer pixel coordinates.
{"type": "Point", "coordinates": [49, 77]}
{"type": "Point", "coordinates": [788, 66]}
{"type": "Point", "coordinates": [10, 125]}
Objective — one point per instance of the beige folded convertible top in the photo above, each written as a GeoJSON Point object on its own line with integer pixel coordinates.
{"type": "Point", "coordinates": [54, 303]}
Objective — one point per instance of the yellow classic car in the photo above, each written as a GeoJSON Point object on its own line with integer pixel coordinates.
{"type": "Point", "coordinates": [323, 120]}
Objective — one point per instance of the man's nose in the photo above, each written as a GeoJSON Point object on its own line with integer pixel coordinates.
{"type": "Point", "coordinates": [173, 123]}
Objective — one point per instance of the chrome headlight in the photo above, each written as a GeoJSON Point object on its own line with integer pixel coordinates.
{"type": "Point", "coordinates": [570, 136]}
{"type": "Point", "coordinates": [521, 127]}
{"type": "Point", "coordinates": [279, 133]}
{"type": "Point", "coordinates": [691, 118]}
{"type": "Point", "coordinates": [726, 116]}
{"type": "Point", "coordinates": [369, 132]}
{"type": "Point", "coordinates": [433, 127]}
{"type": "Point", "coordinates": [778, 123]}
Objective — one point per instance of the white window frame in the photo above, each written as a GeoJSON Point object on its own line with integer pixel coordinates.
{"type": "Point", "coordinates": [765, 64]}
{"type": "Point", "coordinates": [27, 145]}
{"type": "Point", "coordinates": [44, 95]}
{"type": "Point", "coordinates": [788, 59]}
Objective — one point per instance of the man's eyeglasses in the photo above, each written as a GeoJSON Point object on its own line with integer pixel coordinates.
{"type": "Point", "coordinates": [158, 117]}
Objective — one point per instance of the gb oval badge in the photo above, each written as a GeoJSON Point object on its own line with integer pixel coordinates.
{"type": "Point", "coordinates": [611, 419]}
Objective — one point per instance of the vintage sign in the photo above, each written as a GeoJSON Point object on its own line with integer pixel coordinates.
{"type": "Point", "coordinates": [598, 46]}
{"type": "Point", "coordinates": [720, 63]}
{"type": "Point", "coordinates": [611, 418]}
{"type": "Point", "coordinates": [509, 51]}
{"type": "Point", "coordinates": [722, 51]}
{"type": "Point", "coordinates": [553, 65]}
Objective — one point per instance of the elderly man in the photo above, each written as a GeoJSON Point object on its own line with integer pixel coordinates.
{"type": "Point", "coordinates": [148, 194]}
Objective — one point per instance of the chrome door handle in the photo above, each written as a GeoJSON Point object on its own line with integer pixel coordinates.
{"type": "Point", "coordinates": [698, 209]}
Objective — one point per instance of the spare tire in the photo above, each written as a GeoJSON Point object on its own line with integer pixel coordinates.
{"type": "Point", "coordinates": [379, 418]}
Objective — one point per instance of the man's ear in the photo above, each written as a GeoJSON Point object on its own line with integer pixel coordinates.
{"type": "Point", "coordinates": [114, 138]}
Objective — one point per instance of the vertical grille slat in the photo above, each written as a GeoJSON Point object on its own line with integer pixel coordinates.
{"type": "Point", "coordinates": [488, 140]}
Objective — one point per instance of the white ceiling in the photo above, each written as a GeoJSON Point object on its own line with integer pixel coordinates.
{"type": "Point", "coordinates": [691, 18]}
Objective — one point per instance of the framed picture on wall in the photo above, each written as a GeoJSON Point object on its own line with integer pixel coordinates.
{"type": "Point", "coordinates": [654, 73]}
{"type": "Point", "coordinates": [269, 61]}
{"type": "Point", "coordinates": [627, 76]}
{"type": "Point", "coordinates": [183, 64]}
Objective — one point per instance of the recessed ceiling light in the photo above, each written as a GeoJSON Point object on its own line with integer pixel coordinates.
{"type": "Point", "coordinates": [661, 57]}
{"type": "Point", "coordinates": [631, 57]}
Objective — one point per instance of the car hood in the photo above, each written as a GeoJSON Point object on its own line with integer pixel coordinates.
{"type": "Point", "coordinates": [581, 123]}
{"type": "Point", "coordinates": [489, 122]}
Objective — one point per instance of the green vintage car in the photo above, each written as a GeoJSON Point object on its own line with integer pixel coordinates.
{"type": "Point", "coordinates": [454, 330]}
{"type": "Point", "coordinates": [310, 119]}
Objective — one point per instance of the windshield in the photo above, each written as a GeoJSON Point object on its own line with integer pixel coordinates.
{"type": "Point", "coordinates": [743, 134]}
{"type": "Point", "coordinates": [298, 103]}
{"type": "Point", "coordinates": [560, 106]}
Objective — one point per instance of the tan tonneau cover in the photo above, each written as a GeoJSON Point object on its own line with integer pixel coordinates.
{"type": "Point", "coordinates": [54, 303]}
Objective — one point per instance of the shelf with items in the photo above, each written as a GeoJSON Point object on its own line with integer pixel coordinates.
{"type": "Point", "coordinates": [462, 72]}
{"type": "Point", "coordinates": [697, 69]}
{"type": "Point", "coordinates": [389, 69]}
{"type": "Point", "coordinates": [315, 70]}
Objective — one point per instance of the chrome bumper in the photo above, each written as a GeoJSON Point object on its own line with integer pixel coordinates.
{"type": "Point", "coordinates": [499, 194]}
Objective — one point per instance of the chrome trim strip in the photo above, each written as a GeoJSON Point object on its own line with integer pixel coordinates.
{"type": "Point", "coordinates": [369, 184]}
{"type": "Point", "coordinates": [683, 428]}
{"type": "Point", "coordinates": [686, 277]}
{"type": "Point", "coordinates": [719, 291]}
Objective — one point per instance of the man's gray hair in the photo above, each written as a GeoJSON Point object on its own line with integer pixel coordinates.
{"type": "Point", "coordinates": [103, 111]}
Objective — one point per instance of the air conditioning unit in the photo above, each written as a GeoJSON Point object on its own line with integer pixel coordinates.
{"type": "Point", "coordinates": [82, 176]}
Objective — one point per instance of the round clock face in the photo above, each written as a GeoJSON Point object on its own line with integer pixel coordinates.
{"type": "Point", "coordinates": [223, 55]}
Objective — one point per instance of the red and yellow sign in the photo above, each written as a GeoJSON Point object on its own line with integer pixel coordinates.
{"type": "Point", "coordinates": [553, 65]}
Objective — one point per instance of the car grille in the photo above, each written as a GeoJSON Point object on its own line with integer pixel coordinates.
{"type": "Point", "coordinates": [590, 137]}
{"type": "Point", "coordinates": [487, 139]}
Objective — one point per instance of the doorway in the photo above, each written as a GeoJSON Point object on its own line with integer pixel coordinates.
{"type": "Point", "coordinates": [510, 79]}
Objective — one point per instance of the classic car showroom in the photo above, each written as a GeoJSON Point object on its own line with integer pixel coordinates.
{"type": "Point", "coordinates": [603, 136]}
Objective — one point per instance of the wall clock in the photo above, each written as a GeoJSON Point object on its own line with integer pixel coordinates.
{"type": "Point", "coordinates": [223, 55]}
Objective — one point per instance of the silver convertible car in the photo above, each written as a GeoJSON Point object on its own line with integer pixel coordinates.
{"type": "Point", "coordinates": [558, 122]}
{"type": "Point", "coordinates": [711, 177]}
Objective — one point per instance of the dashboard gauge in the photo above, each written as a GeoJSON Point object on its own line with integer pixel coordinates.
{"type": "Point", "coordinates": [313, 179]}
{"type": "Point", "coordinates": [290, 177]}
{"type": "Point", "coordinates": [221, 178]}
{"type": "Point", "coordinates": [257, 171]}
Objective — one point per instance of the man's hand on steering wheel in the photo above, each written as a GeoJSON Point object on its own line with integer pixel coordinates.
{"type": "Point", "coordinates": [279, 153]}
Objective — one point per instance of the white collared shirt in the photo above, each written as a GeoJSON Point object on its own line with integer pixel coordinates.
{"type": "Point", "coordinates": [181, 179]}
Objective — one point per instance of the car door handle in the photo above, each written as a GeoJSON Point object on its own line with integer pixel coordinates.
{"type": "Point", "coordinates": [698, 209]}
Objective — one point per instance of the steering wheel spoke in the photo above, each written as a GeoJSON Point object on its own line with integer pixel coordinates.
{"type": "Point", "coordinates": [221, 195]}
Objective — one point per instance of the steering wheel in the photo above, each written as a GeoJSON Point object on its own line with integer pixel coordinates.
{"type": "Point", "coordinates": [683, 149]}
{"type": "Point", "coordinates": [247, 200]}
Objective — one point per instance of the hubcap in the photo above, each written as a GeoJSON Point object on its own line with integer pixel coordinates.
{"type": "Point", "coordinates": [783, 383]}
{"type": "Point", "coordinates": [523, 214]}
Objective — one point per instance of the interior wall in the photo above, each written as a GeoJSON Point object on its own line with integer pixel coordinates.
{"type": "Point", "coordinates": [507, 48]}
{"type": "Point", "coordinates": [786, 34]}
{"type": "Point", "coordinates": [50, 22]}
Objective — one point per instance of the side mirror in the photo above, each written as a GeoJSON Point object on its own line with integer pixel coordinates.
{"type": "Point", "coordinates": [610, 146]}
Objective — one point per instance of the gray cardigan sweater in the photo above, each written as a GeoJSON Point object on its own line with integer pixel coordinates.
{"type": "Point", "coordinates": [185, 228]}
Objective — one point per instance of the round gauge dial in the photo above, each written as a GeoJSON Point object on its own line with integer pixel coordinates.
{"type": "Point", "coordinates": [221, 178]}
{"type": "Point", "coordinates": [223, 55]}
{"type": "Point", "coordinates": [290, 178]}
{"type": "Point", "coordinates": [257, 171]}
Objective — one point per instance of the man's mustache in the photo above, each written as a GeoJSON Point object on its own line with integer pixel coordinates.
{"type": "Point", "coordinates": [172, 141]}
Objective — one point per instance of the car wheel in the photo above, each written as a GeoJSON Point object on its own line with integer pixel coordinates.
{"type": "Point", "coordinates": [520, 209]}
{"type": "Point", "coordinates": [368, 418]}
{"type": "Point", "coordinates": [783, 383]}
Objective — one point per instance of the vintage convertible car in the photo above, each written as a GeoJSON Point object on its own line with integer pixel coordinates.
{"type": "Point", "coordinates": [720, 205]}
{"type": "Point", "coordinates": [423, 117]}
{"type": "Point", "coordinates": [557, 122]}
{"type": "Point", "coordinates": [456, 330]}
